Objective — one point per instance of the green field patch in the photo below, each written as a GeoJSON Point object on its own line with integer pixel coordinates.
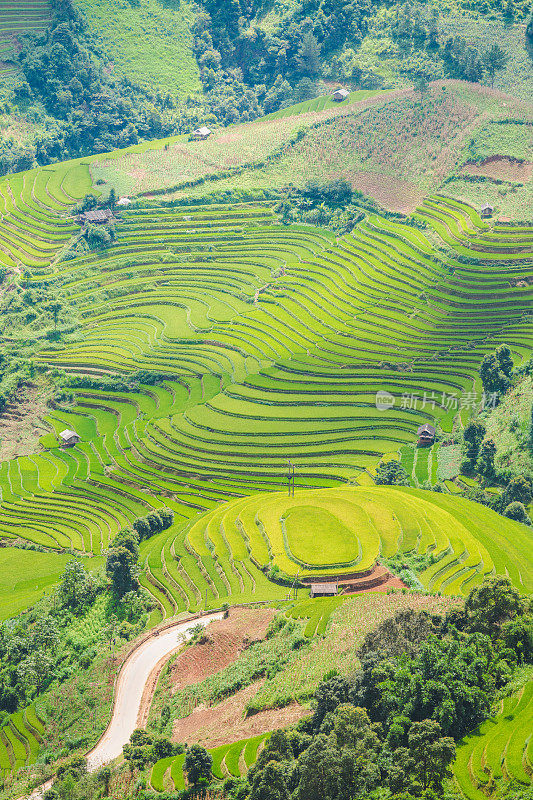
{"type": "Point", "coordinates": [315, 536]}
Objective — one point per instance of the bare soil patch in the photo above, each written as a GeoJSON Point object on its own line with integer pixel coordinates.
{"type": "Point", "coordinates": [500, 168]}
{"type": "Point", "coordinates": [22, 420]}
{"type": "Point", "coordinates": [391, 193]}
{"type": "Point", "coordinates": [226, 722]}
{"type": "Point", "coordinates": [222, 644]}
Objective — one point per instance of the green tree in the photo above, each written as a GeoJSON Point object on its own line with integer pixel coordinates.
{"type": "Point", "coordinates": [197, 766]}
{"type": "Point", "coordinates": [55, 308]}
{"type": "Point", "coordinates": [517, 511]}
{"type": "Point", "coordinates": [112, 199]}
{"type": "Point", "coordinates": [491, 604]}
{"type": "Point", "coordinates": [309, 54]}
{"type": "Point", "coordinates": [270, 783]}
{"type": "Point", "coordinates": [519, 490]}
{"type": "Point", "coordinates": [121, 562]}
{"type": "Point", "coordinates": [494, 60]}
{"type": "Point", "coordinates": [487, 454]}
{"type": "Point", "coordinates": [432, 753]}
{"type": "Point", "coordinates": [391, 473]}
{"type": "Point", "coordinates": [473, 435]}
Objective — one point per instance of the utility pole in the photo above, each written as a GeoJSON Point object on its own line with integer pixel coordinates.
{"type": "Point", "coordinates": [291, 477]}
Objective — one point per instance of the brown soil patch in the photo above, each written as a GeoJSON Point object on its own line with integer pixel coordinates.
{"type": "Point", "coordinates": [391, 583]}
{"type": "Point", "coordinates": [391, 193]}
{"type": "Point", "coordinates": [500, 168]}
{"type": "Point", "coordinates": [226, 723]}
{"type": "Point", "coordinates": [21, 421]}
{"type": "Point", "coordinates": [222, 644]}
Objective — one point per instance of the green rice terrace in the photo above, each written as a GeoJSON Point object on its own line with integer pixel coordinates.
{"type": "Point", "coordinates": [208, 347]}
{"type": "Point", "coordinates": [500, 747]}
{"type": "Point", "coordinates": [272, 342]}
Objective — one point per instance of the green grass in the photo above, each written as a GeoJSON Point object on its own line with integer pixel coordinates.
{"type": "Point", "coordinates": [24, 576]}
{"type": "Point", "coordinates": [149, 43]}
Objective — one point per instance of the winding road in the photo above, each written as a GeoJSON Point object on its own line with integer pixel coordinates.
{"type": "Point", "coordinates": [129, 688]}
{"type": "Point", "coordinates": [130, 685]}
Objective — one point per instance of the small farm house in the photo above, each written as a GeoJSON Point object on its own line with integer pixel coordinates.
{"type": "Point", "coordinates": [69, 438]}
{"type": "Point", "coordinates": [201, 133]}
{"type": "Point", "coordinates": [487, 211]}
{"type": "Point", "coordinates": [323, 589]}
{"type": "Point", "coordinates": [340, 95]}
{"type": "Point", "coordinates": [97, 217]}
{"type": "Point", "coordinates": [426, 435]}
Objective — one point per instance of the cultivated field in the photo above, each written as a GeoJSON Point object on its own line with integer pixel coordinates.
{"type": "Point", "coordinates": [335, 531]}
{"type": "Point", "coordinates": [500, 749]}
{"type": "Point", "coordinates": [19, 17]}
{"type": "Point", "coordinates": [275, 341]}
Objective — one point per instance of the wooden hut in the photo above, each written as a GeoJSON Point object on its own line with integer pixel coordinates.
{"type": "Point", "coordinates": [426, 435]}
{"type": "Point", "coordinates": [323, 589]}
{"type": "Point", "coordinates": [340, 95]}
{"type": "Point", "coordinates": [69, 438]}
{"type": "Point", "coordinates": [97, 217]}
{"type": "Point", "coordinates": [201, 133]}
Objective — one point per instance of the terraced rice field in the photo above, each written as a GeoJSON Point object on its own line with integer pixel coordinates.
{"type": "Point", "coordinates": [19, 740]}
{"type": "Point", "coordinates": [501, 748]}
{"type": "Point", "coordinates": [17, 17]}
{"type": "Point", "coordinates": [34, 211]}
{"type": "Point", "coordinates": [274, 341]}
{"type": "Point", "coordinates": [469, 541]}
{"type": "Point", "coordinates": [232, 760]}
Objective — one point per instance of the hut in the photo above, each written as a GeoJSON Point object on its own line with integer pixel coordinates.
{"type": "Point", "coordinates": [97, 217]}
{"type": "Point", "coordinates": [426, 435]}
{"type": "Point", "coordinates": [340, 95]}
{"type": "Point", "coordinates": [323, 589]}
{"type": "Point", "coordinates": [201, 133]}
{"type": "Point", "coordinates": [69, 438]}
{"type": "Point", "coordinates": [487, 211]}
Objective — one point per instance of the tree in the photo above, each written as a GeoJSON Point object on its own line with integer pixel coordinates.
{"type": "Point", "coordinates": [55, 308]}
{"type": "Point", "coordinates": [503, 355]}
{"type": "Point", "coordinates": [519, 489]}
{"type": "Point", "coordinates": [142, 527]}
{"type": "Point", "coordinates": [198, 763]}
{"type": "Point", "coordinates": [121, 562]}
{"type": "Point", "coordinates": [77, 588]}
{"type": "Point", "coordinates": [309, 54]}
{"type": "Point", "coordinates": [270, 783]}
{"type": "Point", "coordinates": [494, 60]}
{"type": "Point", "coordinates": [154, 521]}
{"type": "Point", "coordinates": [420, 84]}
{"type": "Point", "coordinates": [112, 199]}
{"type": "Point", "coordinates": [391, 473]}
{"type": "Point", "coordinates": [432, 753]}
{"type": "Point", "coordinates": [495, 370]}
{"type": "Point", "coordinates": [473, 435]}
{"type": "Point", "coordinates": [490, 605]}
{"type": "Point", "coordinates": [517, 511]}
{"type": "Point", "coordinates": [167, 517]}
{"type": "Point", "coordinates": [487, 454]}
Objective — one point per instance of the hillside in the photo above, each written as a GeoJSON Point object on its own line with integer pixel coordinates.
{"type": "Point", "coordinates": [393, 147]}
{"type": "Point", "coordinates": [150, 43]}
{"type": "Point", "coordinates": [266, 425]}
